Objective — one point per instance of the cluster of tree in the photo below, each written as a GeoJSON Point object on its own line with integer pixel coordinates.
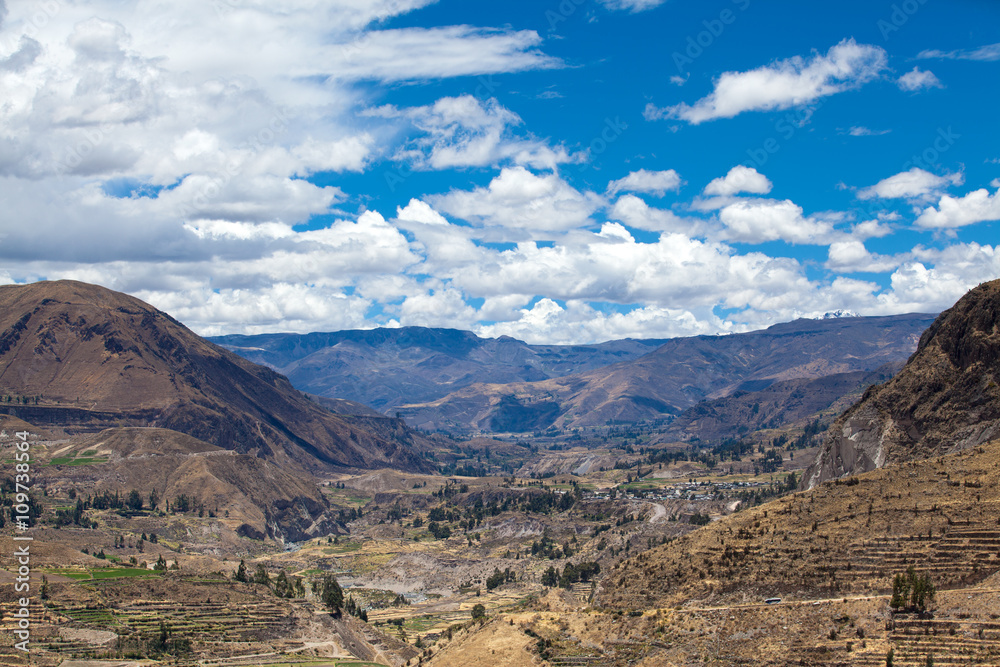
{"type": "Point", "coordinates": [756, 496]}
{"type": "Point", "coordinates": [570, 575]}
{"type": "Point", "coordinates": [912, 591]}
{"type": "Point", "coordinates": [34, 506]}
{"type": "Point", "coordinates": [161, 565]}
{"type": "Point", "coordinates": [813, 429]}
{"type": "Point", "coordinates": [395, 513]}
{"type": "Point", "coordinates": [151, 646]}
{"type": "Point", "coordinates": [699, 519]}
{"type": "Point", "coordinates": [21, 400]}
{"type": "Point", "coordinates": [732, 449]}
{"type": "Point", "coordinates": [105, 501]}
{"type": "Point", "coordinates": [65, 517]}
{"type": "Point", "coordinates": [547, 548]}
{"type": "Point", "coordinates": [438, 530]}
{"type": "Point", "coordinates": [344, 516]}
{"type": "Point", "coordinates": [283, 585]}
{"type": "Point", "coordinates": [355, 609]}
{"type": "Point", "coordinates": [499, 578]}
{"type": "Point", "coordinates": [330, 593]}
{"type": "Point", "coordinates": [464, 470]}
{"type": "Point", "coordinates": [771, 461]}
{"type": "Point", "coordinates": [442, 514]}
{"type": "Point", "coordinates": [288, 587]}
{"type": "Point", "coordinates": [450, 489]}
{"type": "Point", "coordinates": [549, 501]}
{"type": "Point", "coordinates": [185, 503]}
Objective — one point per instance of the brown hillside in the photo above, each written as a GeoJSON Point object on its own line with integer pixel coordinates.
{"type": "Point", "coordinates": [84, 358]}
{"type": "Point", "coordinates": [945, 399]}
{"type": "Point", "coordinates": [255, 497]}
{"type": "Point", "coordinates": [838, 539]}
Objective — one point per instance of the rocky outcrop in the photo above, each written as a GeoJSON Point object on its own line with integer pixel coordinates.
{"type": "Point", "coordinates": [945, 399]}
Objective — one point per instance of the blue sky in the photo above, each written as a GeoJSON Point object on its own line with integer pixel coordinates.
{"type": "Point", "coordinates": [566, 171]}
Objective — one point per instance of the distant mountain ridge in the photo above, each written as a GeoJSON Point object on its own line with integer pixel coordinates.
{"type": "Point", "coordinates": [945, 399]}
{"type": "Point", "coordinates": [455, 381]}
{"type": "Point", "coordinates": [96, 358]}
{"type": "Point", "coordinates": [679, 374]}
{"type": "Point", "coordinates": [387, 368]}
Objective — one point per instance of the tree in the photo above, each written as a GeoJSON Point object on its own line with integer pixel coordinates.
{"type": "Point", "coordinates": [261, 576]}
{"type": "Point", "coordinates": [912, 591]}
{"type": "Point", "coordinates": [241, 572]}
{"type": "Point", "coordinates": [332, 594]}
{"type": "Point", "coordinates": [161, 643]}
{"type": "Point", "coordinates": [478, 612]}
{"type": "Point", "coordinates": [134, 500]}
{"type": "Point", "coordinates": [154, 499]}
{"type": "Point", "coordinates": [889, 657]}
{"type": "Point", "coordinates": [282, 587]}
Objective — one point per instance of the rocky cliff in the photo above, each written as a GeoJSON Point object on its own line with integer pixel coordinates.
{"type": "Point", "coordinates": [945, 399]}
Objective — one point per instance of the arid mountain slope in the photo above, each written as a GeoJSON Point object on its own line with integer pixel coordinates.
{"type": "Point", "coordinates": [252, 496]}
{"type": "Point", "coordinates": [83, 357]}
{"type": "Point", "coordinates": [679, 374]}
{"type": "Point", "coordinates": [784, 403]}
{"type": "Point", "coordinates": [840, 538]}
{"type": "Point", "coordinates": [945, 399]}
{"type": "Point", "coordinates": [386, 368]}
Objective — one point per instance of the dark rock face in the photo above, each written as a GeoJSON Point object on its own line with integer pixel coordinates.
{"type": "Point", "coordinates": [945, 399]}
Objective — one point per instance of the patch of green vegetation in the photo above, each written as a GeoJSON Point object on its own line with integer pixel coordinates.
{"type": "Point", "coordinates": [347, 497]}
{"type": "Point", "coordinates": [100, 573]}
{"type": "Point", "coordinates": [103, 617]}
{"type": "Point", "coordinates": [119, 572]}
{"type": "Point", "coordinates": [421, 623]}
{"type": "Point", "coordinates": [89, 452]}
{"type": "Point", "coordinates": [342, 548]}
{"type": "Point", "coordinates": [80, 461]}
{"type": "Point", "coordinates": [66, 572]}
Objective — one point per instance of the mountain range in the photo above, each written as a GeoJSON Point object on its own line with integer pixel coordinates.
{"type": "Point", "coordinates": [679, 374]}
{"type": "Point", "coordinates": [388, 368]}
{"type": "Point", "coordinates": [455, 381]}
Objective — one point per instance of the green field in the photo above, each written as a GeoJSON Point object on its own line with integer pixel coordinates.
{"type": "Point", "coordinates": [102, 573]}
{"type": "Point", "coordinates": [342, 548]}
{"type": "Point", "coordinates": [76, 461]}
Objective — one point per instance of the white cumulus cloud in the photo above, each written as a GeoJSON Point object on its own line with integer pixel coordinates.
{"type": "Point", "coordinates": [917, 79]}
{"type": "Point", "coordinates": [787, 83]}
{"type": "Point", "coordinates": [520, 199]}
{"type": "Point", "coordinates": [763, 220]}
{"type": "Point", "coordinates": [739, 179]}
{"type": "Point", "coordinates": [651, 182]}
{"type": "Point", "coordinates": [977, 206]}
{"type": "Point", "coordinates": [916, 183]}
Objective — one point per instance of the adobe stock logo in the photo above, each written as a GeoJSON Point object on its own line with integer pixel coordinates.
{"type": "Point", "coordinates": [900, 15]}
{"type": "Point", "coordinates": [697, 44]}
